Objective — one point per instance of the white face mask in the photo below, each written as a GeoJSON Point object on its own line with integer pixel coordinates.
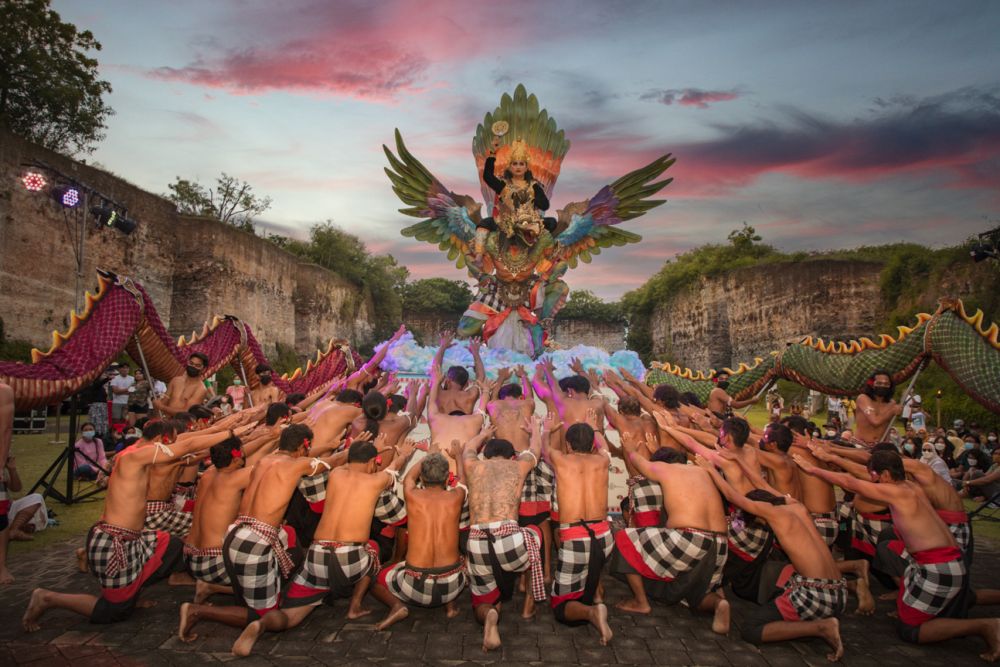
{"type": "Point", "coordinates": [831, 433]}
{"type": "Point", "coordinates": [939, 446]}
{"type": "Point", "coordinates": [89, 434]}
{"type": "Point", "coordinates": [928, 454]}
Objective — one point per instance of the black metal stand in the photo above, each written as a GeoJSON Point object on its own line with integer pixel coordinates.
{"type": "Point", "coordinates": [49, 479]}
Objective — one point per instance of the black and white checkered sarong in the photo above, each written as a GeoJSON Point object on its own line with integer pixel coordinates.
{"type": "Point", "coordinates": [515, 549]}
{"type": "Point", "coordinates": [425, 587]}
{"type": "Point", "coordinates": [645, 502]}
{"type": "Point", "coordinates": [929, 587]}
{"type": "Point", "coordinates": [313, 487]}
{"type": "Point", "coordinates": [253, 565]}
{"type": "Point", "coordinates": [747, 538]}
{"type": "Point", "coordinates": [330, 564]}
{"type": "Point", "coordinates": [207, 565]}
{"type": "Point", "coordinates": [810, 599]}
{"type": "Point", "coordinates": [827, 525]}
{"type": "Point", "coordinates": [667, 553]}
{"type": "Point", "coordinates": [164, 515]}
{"type": "Point", "coordinates": [539, 484]}
{"type": "Point", "coordinates": [116, 555]}
{"type": "Point", "coordinates": [390, 508]}
{"type": "Point", "coordinates": [583, 550]}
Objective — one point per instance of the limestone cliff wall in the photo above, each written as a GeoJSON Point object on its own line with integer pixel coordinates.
{"type": "Point", "coordinates": [193, 268]}
{"type": "Point", "coordinates": [730, 318]}
{"type": "Point", "coordinates": [427, 327]}
{"type": "Point", "coordinates": [733, 317]}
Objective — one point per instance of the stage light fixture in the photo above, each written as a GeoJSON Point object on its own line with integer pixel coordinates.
{"type": "Point", "coordinates": [67, 195]}
{"type": "Point", "coordinates": [34, 181]}
{"type": "Point", "coordinates": [109, 216]}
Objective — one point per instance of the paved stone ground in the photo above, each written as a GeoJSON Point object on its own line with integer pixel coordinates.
{"type": "Point", "coordinates": [670, 636]}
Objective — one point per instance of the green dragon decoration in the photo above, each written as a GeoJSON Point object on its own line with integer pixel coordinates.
{"type": "Point", "coordinates": [951, 338]}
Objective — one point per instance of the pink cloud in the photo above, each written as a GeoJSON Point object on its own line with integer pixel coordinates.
{"type": "Point", "coordinates": [372, 51]}
{"type": "Point", "coordinates": [690, 97]}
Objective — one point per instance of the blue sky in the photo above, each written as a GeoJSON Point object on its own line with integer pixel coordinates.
{"type": "Point", "coordinates": [824, 125]}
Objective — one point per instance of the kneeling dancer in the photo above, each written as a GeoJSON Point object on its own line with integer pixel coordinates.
{"type": "Point", "coordinates": [124, 557]}
{"type": "Point", "coordinates": [934, 594]}
{"type": "Point", "coordinates": [685, 559]}
{"type": "Point", "coordinates": [807, 596]}
{"type": "Point", "coordinates": [584, 532]}
{"type": "Point", "coordinates": [498, 548]}
{"type": "Point", "coordinates": [433, 573]}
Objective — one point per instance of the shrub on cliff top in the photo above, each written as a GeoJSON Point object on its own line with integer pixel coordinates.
{"type": "Point", "coordinates": [436, 295]}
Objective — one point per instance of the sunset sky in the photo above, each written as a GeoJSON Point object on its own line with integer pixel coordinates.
{"type": "Point", "coordinates": [824, 125]}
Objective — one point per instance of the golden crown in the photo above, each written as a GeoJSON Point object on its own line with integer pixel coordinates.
{"type": "Point", "coordinates": [519, 151]}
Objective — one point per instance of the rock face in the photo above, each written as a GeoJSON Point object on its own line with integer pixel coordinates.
{"type": "Point", "coordinates": [610, 336]}
{"type": "Point", "coordinates": [749, 312]}
{"type": "Point", "coordinates": [193, 268]}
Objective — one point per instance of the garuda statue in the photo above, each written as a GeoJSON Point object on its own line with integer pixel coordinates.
{"type": "Point", "coordinates": [516, 252]}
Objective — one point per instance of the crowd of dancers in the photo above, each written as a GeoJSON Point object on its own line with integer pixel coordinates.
{"type": "Point", "coordinates": [299, 500]}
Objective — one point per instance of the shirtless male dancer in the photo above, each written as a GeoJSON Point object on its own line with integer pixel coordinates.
{"type": "Point", "coordinates": [935, 593]}
{"type": "Point", "coordinates": [719, 400]}
{"type": "Point", "coordinates": [255, 549]}
{"type": "Point", "coordinates": [683, 560]}
{"type": "Point", "coordinates": [585, 535]}
{"type": "Point", "coordinates": [818, 496]}
{"type": "Point", "coordinates": [124, 557]}
{"type": "Point", "coordinates": [185, 390]}
{"type": "Point", "coordinates": [445, 426]}
{"type": "Point", "coordinates": [498, 548]}
{"type": "Point", "coordinates": [220, 491]}
{"type": "Point", "coordinates": [341, 556]}
{"type": "Point", "coordinates": [876, 408]}
{"type": "Point", "coordinates": [266, 393]}
{"type": "Point", "coordinates": [433, 573]}
{"type": "Point", "coordinates": [454, 395]}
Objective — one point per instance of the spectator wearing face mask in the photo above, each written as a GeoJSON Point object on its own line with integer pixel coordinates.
{"type": "Point", "coordinates": [983, 485]}
{"type": "Point", "coordinates": [830, 431]}
{"type": "Point", "coordinates": [970, 443]}
{"type": "Point", "coordinates": [929, 455]}
{"type": "Point", "coordinates": [991, 441]}
{"type": "Point", "coordinates": [237, 394]}
{"type": "Point", "coordinates": [944, 450]}
{"type": "Point", "coordinates": [90, 456]}
{"type": "Point", "coordinates": [911, 448]}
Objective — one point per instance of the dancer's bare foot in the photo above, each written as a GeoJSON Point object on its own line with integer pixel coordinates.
{"type": "Point", "coordinates": [491, 633]}
{"type": "Point", "coordinates": [181, 579]}
{"type": "Point", "coordinates": [202, 591]}
{"type": "Point", "coordinates": [993, 642]}
{"type": "Point", "coordinates": [720, 622]}
{"type": "Point", "coordinates": [633, 606]}
{"type": "Point", "coordinates": [891, 595]}
{"type": "Point", "coordinates": [528, 610]}
{"type": "Point", "coordinates": [37, 606]}
{"type": "Point", "coordinates": [5, 576]}
{"type": "Point", "coordinates": [357, 612]}
{"type": "Point", "coordinates": [244, 643]}
{"type": "Point", "coordinates": [830, 631]}
{"type": "Point", "coordinates": [599, 619]}
{"type": "Point", "coordinates": [188, 619]}
{"type": "Point", "coordinates": [599, 594]}
{"type": "Point", "coordinates": [451, 609]}
{"type": "Point", "coordinates": [81, 560]}
{"type": "Point", "coordinates": [395, 615]}
{"type": "Point", "coordinates": [866, 603]}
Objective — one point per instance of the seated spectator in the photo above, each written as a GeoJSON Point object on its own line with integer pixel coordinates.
{"type": "Point", "coordinates": [90, 460]}
{"type": "Point", "coordinates": [930, 456]}
{"type": "Point", "coordinates": [983, 485]}
{"type": "Point", "coordinates": [944, 450]}
{"type": "Point", "coordinates": [991, 441]}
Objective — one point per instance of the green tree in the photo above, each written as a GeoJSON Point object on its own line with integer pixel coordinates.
{"type": "Point", "coordinates": [744, 239]}
{"type": "Point", "coordinates": [232, 201]}
{"type": "Point", "coordinates": [436, 295]}
{"type": "Point", "coordinates": [585, 305]}
{"type": "Point", "coordinates": [49, 90]}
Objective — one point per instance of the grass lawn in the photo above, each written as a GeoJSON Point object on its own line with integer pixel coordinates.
{"type": "Point", "coordinates": [34, 454]}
